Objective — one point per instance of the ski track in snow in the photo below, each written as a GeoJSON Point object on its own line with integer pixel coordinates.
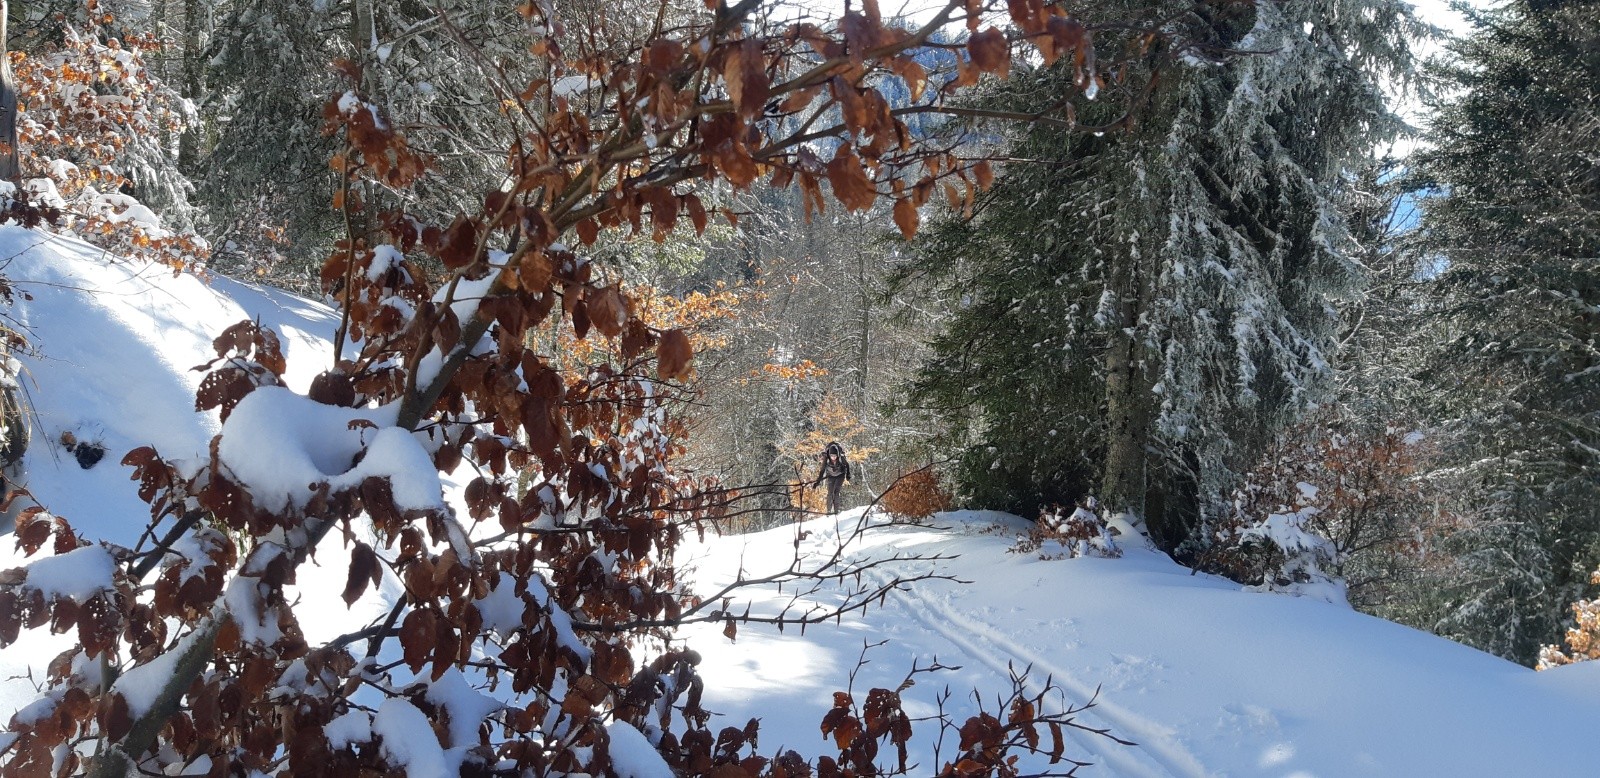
{"type": "Point", "coordinates": [984, 642]}
{"type": "Point", "coordinates": [1157, 754]}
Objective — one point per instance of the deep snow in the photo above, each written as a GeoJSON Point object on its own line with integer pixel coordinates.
{"type": "Point", "coordinates": [1208, 679]}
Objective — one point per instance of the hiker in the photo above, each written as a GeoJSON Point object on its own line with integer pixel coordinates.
{"type": "Point", "coordinates": [836, 469]}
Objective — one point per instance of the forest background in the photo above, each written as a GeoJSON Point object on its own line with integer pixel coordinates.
{"type": "Point", "coordinates": [1303, 292]}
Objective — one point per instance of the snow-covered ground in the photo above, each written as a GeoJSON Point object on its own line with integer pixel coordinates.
{"type": "Point", "coordinates": [1206, 678]}
{"type": "Point", "coordinates": [116, 343]}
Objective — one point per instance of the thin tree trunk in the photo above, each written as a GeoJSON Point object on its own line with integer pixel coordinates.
{"type": "Point", "coordinates": [194, 22]}
{"type": "Point", "coordinates": [1123, 483]}
{"type": "Point", "coordinates": [864, 326]}
{"type": "Point", "coordinates": [10, 162]}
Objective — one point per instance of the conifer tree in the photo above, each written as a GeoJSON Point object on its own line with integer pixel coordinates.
{"type": "Point", "coordinates": [1513, 233]}
{"type": "Point", "coordinates": [1144, 307]}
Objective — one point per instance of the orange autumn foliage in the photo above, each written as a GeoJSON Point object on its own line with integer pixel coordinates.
{"type": "Point", "coordinates": [917, 495]}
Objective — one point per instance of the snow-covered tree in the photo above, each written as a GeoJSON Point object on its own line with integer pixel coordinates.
{"type": "Point", "coordinates": [1512, 232]}
{"type": "Point", "coordinates": [95, 131]}
{"type": "Point", "coordinates": [1146, 305]}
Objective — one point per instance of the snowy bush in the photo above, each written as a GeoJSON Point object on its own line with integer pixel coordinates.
{"type": "Point", "coordinates": [1280, 552]}
{"type": "Point", "coordinates": [96, 134]}
{"type": "Point", "coordinates": [1583, 637]}
{"type": "Point", "coordinates": [916, 495]}
{"type": "Point", "coordinates": [1324, 506]}
{"type": "Point", "coordinates": [1060, 533]}
{"type": "Point", "coordinates": [1270, 544]}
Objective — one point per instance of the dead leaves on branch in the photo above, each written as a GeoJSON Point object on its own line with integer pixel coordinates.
{"type": "Point", "coordinates": [93, 610]}
{"type": "Point", "coordinates": [250, 356]}
{"type": "Point", "coordinates": [626, 149]}
{"type": "Point", "coordinates": [988, 743]}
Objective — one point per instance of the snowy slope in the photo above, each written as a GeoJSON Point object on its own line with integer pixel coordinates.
{"type": "Point", "coordinates": [115, 343]}
{"type": "Point", "coordinates": [1208, 679]}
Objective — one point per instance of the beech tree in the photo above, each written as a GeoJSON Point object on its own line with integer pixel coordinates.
{"type": "Point", "coordinates": [549, 584]}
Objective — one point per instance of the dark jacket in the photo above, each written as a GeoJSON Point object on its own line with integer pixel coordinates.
{"type": "Point", "coordinates": [829, 468]}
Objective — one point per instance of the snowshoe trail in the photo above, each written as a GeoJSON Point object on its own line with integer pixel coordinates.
{"type": "Point", "coordinates": [1158, 754]}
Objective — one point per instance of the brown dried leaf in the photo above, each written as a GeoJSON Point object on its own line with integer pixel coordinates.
{"type": "Point", "coordinates": [662, 55]}
{"type": "Point", "coordinates": [536, 268]}
{"type": "Point", "coordinates": [608, 310]}
{"type": "Point", "coordinates": [1025, 14]}
{"type": "Point", "coordinates": [745, 72]}
{"type": "Point", "coordinates": [674, 355]}
{"type": "Point", "coordinates": [10, 618]}
{"type": "Point", "coordinates": [116, 720]}
{"type": "Point", "coordinates": [906, 217]}
{"type": "Point", "coordinates": [447, 331]}
{"type": "Point", "coordinates": [418, 631]}
{"type": "Point", "coordinates": [846, 732]}
{"type": "Point", "coordinates": [735, 162]}
{"type": "Point", "coordinates": [990, 52]}
{"type": "Point", "coordinates": [460, 244]}
{"type": "Point", "coordinates": [881, 712]}
{"type": "Point", "coordinates": [1066, 33]}
{"type": "Point", "coordinates": [588, 231]}
{"type": "Point", "coordinates": [447, 645]}
{"type": "Point", "coordinates": [916, 78]}
{"type": "Point", "coordinates": [852, 105]}
{"type": "Point", "coordinates": [983, 174]}
{"type": "Point", "coordinates": [333, 387]}
{"type": "Point", "coordinates": [32, 535]}
{"type": "Point", "coordinates": [1022, 715]}
{"type": "Point", "coordinates": [259, 673]}
{"type": "Point", "coordinates": [364, 569]}
{"type": "Point", "coordinates": [697, 212]}
{"type": "Point", "coordinates": [849, 180]}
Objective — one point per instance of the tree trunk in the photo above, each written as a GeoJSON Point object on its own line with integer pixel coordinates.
{"type": "Point", "coordinates": [1123, 483]}
{"type": "Point", "coordinates": [361, 28]}
{"type": "Point", "coordinates": [194, 23]}
{"type": "Point", "coordinates": [864, 327]}
{"type": "Point", "coordinates": [10, 163]}
{"type": "Point", "coordinates": [1129, 401]}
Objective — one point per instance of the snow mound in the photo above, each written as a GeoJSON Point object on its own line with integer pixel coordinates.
{"type": "Point", "coordinates": [282, 445]}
